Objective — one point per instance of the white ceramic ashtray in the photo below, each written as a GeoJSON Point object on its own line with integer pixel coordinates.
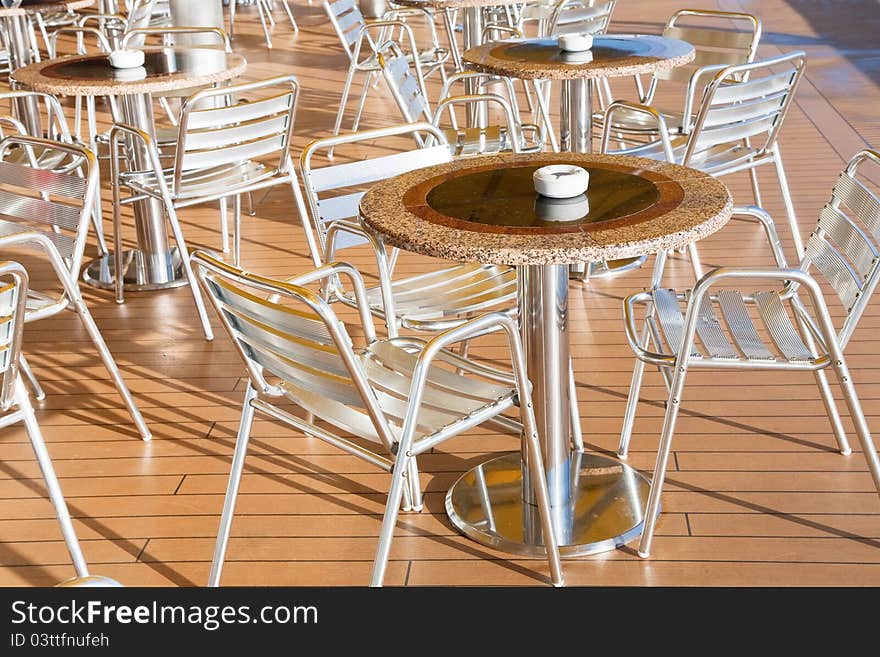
{"type": "Point", "coordinates": [130, 74]}
{"type": "Point", "coordinates": [575, 42]}
{"type": "Point", "coordinates": [562, 209]}
{"type": "Point", "coordinates": [584, 57]}
{"type": "Point", "coordinates": [126, 58]}
{"type": "Point", "coordinates": [561, 180]}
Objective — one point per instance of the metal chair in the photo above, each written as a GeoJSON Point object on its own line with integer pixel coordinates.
{"type": "Point", "coordinates": [52, 124]}
{"type": "Point", "coordinates": [509, 136]}
{"type": "Point", "coordinates": [720, 39]}
{"type": "Point", "coordinates": [364, 41]}
{"type": "Point", "coordinates": [138, 13]}
{"type": "Point", "coordinates": [591, 16]}
{"type": "Point", "coordinates": [397, 397]}
{"type": "Point", "coordinates": [265, 9]}
{"type": "Point", "coordinates": [439, 300]}
{"type": "Point", "coordinates": [214, 158]}
{"type": "Point", "coordinates": [760, 334]}
{"type": "Point", "coordinates": [48, 211]}
{"type": "Point", "coordinates": [15, 404]}
{"type": "Point", "coordinates": [735, 129]}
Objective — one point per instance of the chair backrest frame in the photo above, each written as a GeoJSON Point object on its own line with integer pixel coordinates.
{"type": "Point", "coordinates": [13, 300]}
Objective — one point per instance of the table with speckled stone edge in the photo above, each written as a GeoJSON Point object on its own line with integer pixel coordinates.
{"type": "Point", "coordinates": [612, 56]}
{"type": "Point", "coordinates": [154, 264]}
{"type": "Point", "coordinates": [483, 210]}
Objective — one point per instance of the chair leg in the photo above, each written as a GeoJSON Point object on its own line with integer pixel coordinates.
{"type": "Point", "coordinates": [632, 400]}
{"type": "Point", "coordinates": [232, 4]}
{"type": "Point", "coordinates": [653, 507]}
{"type": "Point", "coordinates": [833, 414]}
{"type": "Point", "coordinates": [289, 11]}
{"type": "Point", "coordinates": [236, 230]}
{"type": "Point", "coordinates": [224, 226]}
{"type": "Point", "coordinates": [789, 204]}
{"type": "Point", "coordinates": [695, 260]}
{"type": "Point", "coordinates": [54, 488]}
{"type": "Point", "coordinates": [363, 101]}
{"type": "Point", "coordinates": [262, 12]}
{"type": "Point", "coordinates": [577, 436]}
{"type": "Point", "coordinates": [241, 444]}
{"type": "Point", "coordinates": [544, 114]}
{"type": "Point", "coordinates": [392, 509]}
{"type": "Point", "coordinates": [98, 225]}
{"type": "Point", "coordinates": [25, 367]}
{"type": "Point", "coordinates": [187, 269]}
{"type": "Point", "coordinates": [343, 101]}
{"type": "Point", "coordinates": [858, 417]}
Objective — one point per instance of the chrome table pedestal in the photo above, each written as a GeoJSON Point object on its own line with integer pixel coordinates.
{"type": "Point", "coordinates": [598, 502]}
{"type": "Point", "coordinates": [154, 265]}
{"type": "Point", "coordinates": [575, 136]}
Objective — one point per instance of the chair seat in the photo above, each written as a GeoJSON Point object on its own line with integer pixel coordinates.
{"type": "Point", "coordinates": [637, 124]}
{"type": "Point", "coordinates": [449, 398]}
{"type": "Point", "coordinates": [727, 332]}
{"type": "Point", "coordinates": [490, 140]}
{"type": "Point", "coordinates": [449, 296]}
{"type": "Point", "coordinates": [199, 183]}
{"type": "Point", "coordinates": [717, 157]}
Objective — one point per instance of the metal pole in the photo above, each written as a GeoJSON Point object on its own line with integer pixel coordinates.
{"type": "Point", "coordinates": [204, 13]}
{"type": "Point", "coordinates": [473, 36]}
{"type": "Point", "coordinates": [576, 116]}
{"type": "Point", "coordinates": [21, 54]}
{"type": "Point", "coordinates": [543, 303]}
{"type": "Point", "coordinates": [149, 215]}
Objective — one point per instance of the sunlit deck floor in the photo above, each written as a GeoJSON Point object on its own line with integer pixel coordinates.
{"type": "Point", "coordinates": [756, 493]}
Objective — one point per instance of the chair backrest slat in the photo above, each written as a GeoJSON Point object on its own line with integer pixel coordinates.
{"type": "Point", "coordinates": [591, 16]}
{"type": "Point", "coordinates": [214, 136]}
{"type": "Point", "coordinates": [45, 180]}
{"type": "Point", "coordinates": [28, 208]}
{"type": "Point", "coordinates": [406, 88]}
{"type": "Point", "coordinates": [845, 244]}
{"type": "Point", "coordinates": [717, 39]}
{"type": "Point", "coordinates": [347, 21]}
{"type": "Point", "coordinates": [329, 190]}
{"type": "Point", "coordinates": [755, 108]}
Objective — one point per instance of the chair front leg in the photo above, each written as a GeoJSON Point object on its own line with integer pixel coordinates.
{"type": "Point", "coordinates": [241, 444]}
{"type": "Point", "coordinates": [55, 495]}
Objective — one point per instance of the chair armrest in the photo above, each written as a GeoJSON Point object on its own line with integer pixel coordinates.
{"type": "Point", "coordinates": [763, 217]}
{"type": "Point", "coordinates": [696, 83]}
{"type": "Point", "coordinates": [647, 110]}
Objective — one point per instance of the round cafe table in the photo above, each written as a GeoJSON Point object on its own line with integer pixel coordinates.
{"type": "Point", "coordinates": [154, 264]}
{"type": "Point", "coordinates": [17, 36]}
{"type": "Point", "coordinates": [611, 56]}
{"type": "Point", "coordinates": [485, 210]}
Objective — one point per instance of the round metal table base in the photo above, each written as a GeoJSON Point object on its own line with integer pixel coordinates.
{"type": "Point", "coordinates": [606, 510]}
{"type": "Point", "coordinates": [605, 269]}
{"type": "Point", "coordinates": [101, 273]}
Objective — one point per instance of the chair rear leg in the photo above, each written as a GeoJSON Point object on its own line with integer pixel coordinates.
{"type": "Point", "coordinates": [54, 488]}
{"type": "Point", "coordinates": [343, 101]}
{"type": "Point", "coordinates": [236, 230]}
{"type": "Point", "coordinates": [289, 11]}
{"type": "Point", "coordinates": [858, 417]}
{"type": "Point", "coordinates": [241, 444]}
{"type": "Point", "coordinates": [632, 399]}
{"type": "Point", "coordinates": [362, 102]}
{"type": "Point", "coordinates": [25, 367]}
{"type": "Point", "coordinates": [224, 226]}
{"type": "Point", "coordinates": [262, 11]}
{"type": "Point", "coordinates": [695, 260]}
{"type": "Point", "coordinates": [833, 414]}
{"type": "Point", "coordinates": [392, 509]}
{"type": "Point", "coordinates": [789, 204]}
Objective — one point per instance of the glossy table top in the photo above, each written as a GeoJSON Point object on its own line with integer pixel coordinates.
{"type": "Point", "coordinates": [164, 69]}
{"type": "Point", "coordinates": [486, 210]}
{"type": "Point", "coordinates": [612, 55]}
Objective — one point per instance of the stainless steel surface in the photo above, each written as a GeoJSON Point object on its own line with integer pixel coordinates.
{"type": "Point", "coordinates": [21, 54]}
{"type": "Point", "coordinates": [477, 115]}
{"type": "Point", "coordinates": [575, 129]}
{"type": "Point", "coordinates": [149, 215]}
{"type": "Point", "coordinates": [101, 272]}
{"type": "Point", "coordinates": [543, 317]}
{"type": "Point", "coordinates": [311, 360]}
{"type": "Point", "coordinates": [605, 511]}
{"type": "Point", "coordinates": [204, 13]}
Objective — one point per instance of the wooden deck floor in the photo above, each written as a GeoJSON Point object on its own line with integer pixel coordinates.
{"type": "Point", "coordinates": [756, 495]}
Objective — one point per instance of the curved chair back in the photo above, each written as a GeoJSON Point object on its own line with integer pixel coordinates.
{"type": "Point", "coordinates": [407, 87]}
{"type": "Point", "coordinates": [734, 110]}
{"type": "Point", "coordinates": [332, 191]}
{"type": "Point", "coordinates": [592, 16]}
{"type": "Point", "coordinates": [210, 36]}
{"type": "Point", "coordinates": [720, 38]}
{"type": "Point", "coordinates": [845, 245]}
{"type": "Point", "coordinates": [13, 298]}
{"type": "Point", "coordinates": [45, 204]}
{"type": "Point", "coordinates": [347, 21]}
{"type": "Point", "coordinates": [101, 43]}
{"type": "Point", "coordinates": [211, 134]}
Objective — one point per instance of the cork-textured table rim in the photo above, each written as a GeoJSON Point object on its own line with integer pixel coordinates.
{"type": "Point", "coordinates": [455, 4]}
{"type": "Point", "coordinates": [31, 76]}
{"type": "Point", "coordinates": [705, 206]}
{"type": "Point", "coordinates": [481, 58]}
{"type": "Point", "coordinates": [49, 6]}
